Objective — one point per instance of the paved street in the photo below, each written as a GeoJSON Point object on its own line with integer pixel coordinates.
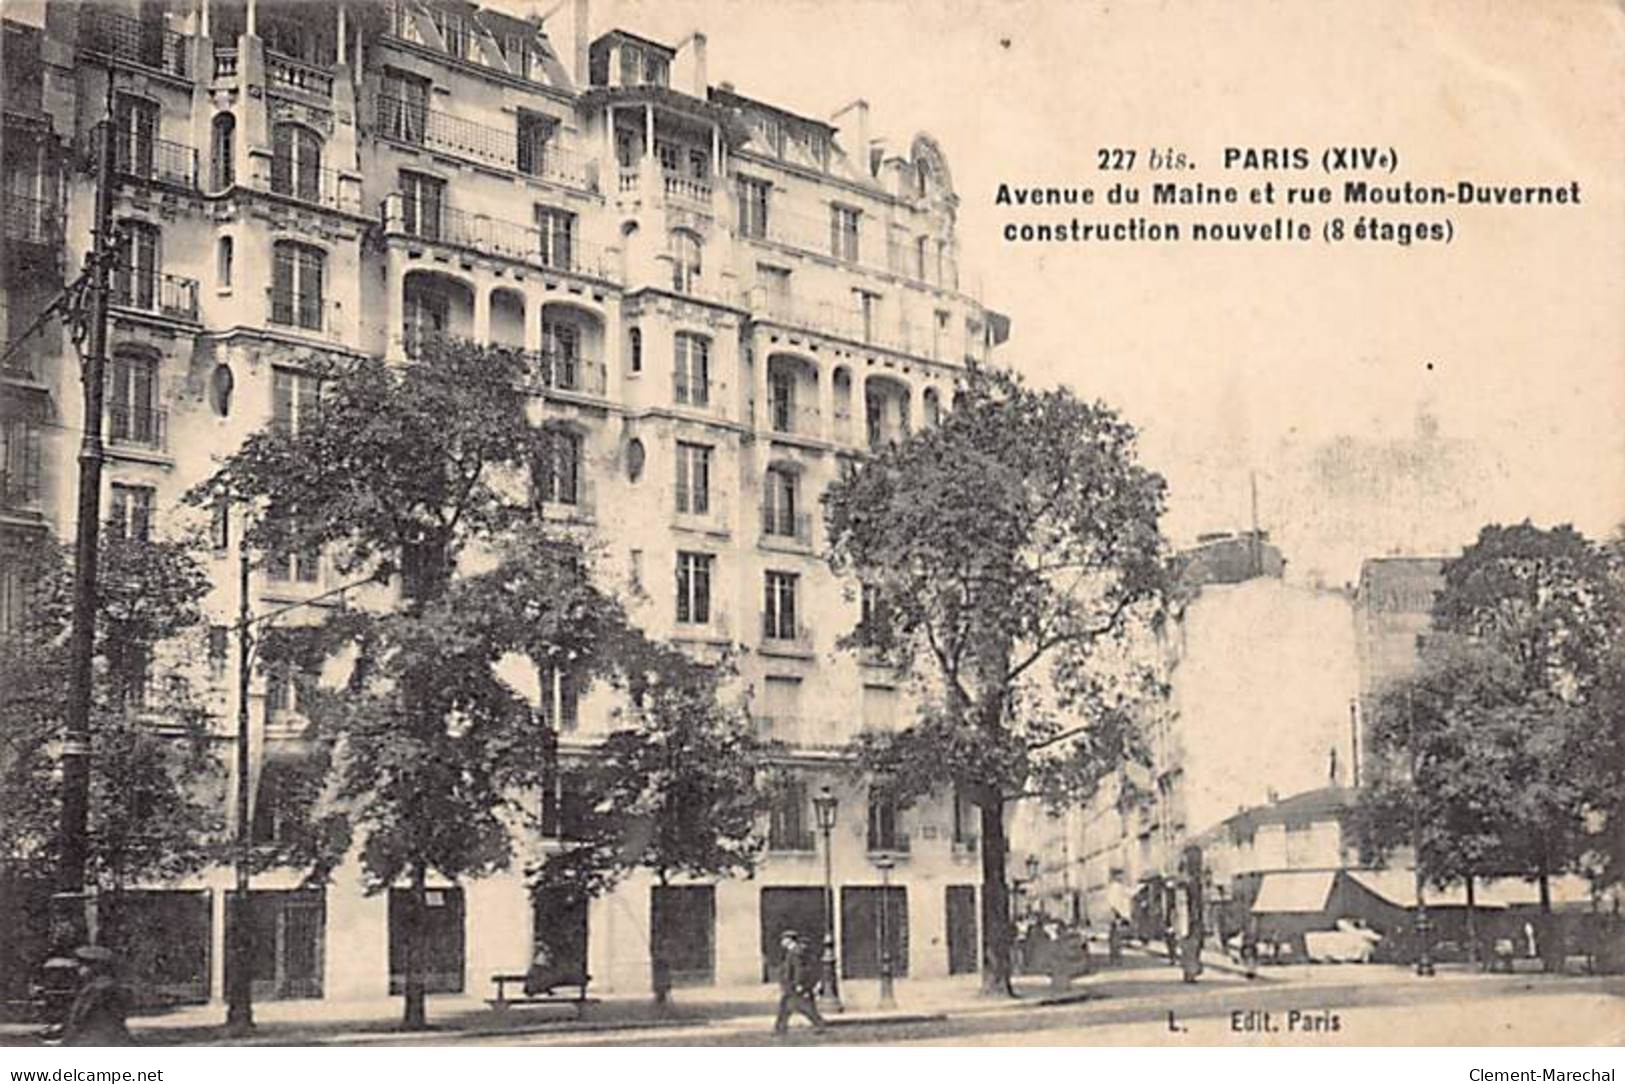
{"type": "Point", "coordinates": [1372, 1006]}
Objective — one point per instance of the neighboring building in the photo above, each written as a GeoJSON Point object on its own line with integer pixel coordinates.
{"type": "Point", "coordinates": [1393, 607]}
{"type": "Point", "coordinates": [1261, 676]}
{"type": "Point", "coordinates": [722, 300]}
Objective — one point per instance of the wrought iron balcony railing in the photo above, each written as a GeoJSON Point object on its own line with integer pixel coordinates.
{"type": "Point", "coordinates": [156, 292]}
{"type": "Point", "coordinates": [843, 322]}
{"type": "Point", "coordinates": [817, 234]}
{"type": "Point", "coordinates": [787, 841]}
{"type": "Point", "coordinates": [144, 42]}
{"type": "Point", "coordinates": [32, 221]}
{"type": "Point", "coordinates": [160, 160]}
{"type": "Point", "coordinates": [307, 184]}
{"type": "Point", "coordinates": [303, 311]}
{"type": "Point", "coordinates": [429, 221]}
{"type": "Point", "coordinates": [777, 631]}
{"type": "Point", "coordinates": [786, 526]}
{"type": "Point", "coordinates": [285, 71]}
{"type": "Point", "coordinates": [558, 371]}
{"type": "Point", "coordinates": [138, 426]}
{"type": "Point", "coordinates": [407, 121]}
{"type": "Point", "coordinates": [895, 843]}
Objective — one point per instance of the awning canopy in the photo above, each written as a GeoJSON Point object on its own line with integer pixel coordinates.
{"type": "Point", "coordinates": [1398, 887]}
{"type": "Point", "coordinates": [1294, 893]}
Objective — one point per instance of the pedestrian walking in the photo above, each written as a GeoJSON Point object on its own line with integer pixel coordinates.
{"type": "Point", "coordinates": [102, 1006]}
{"type": "Point", "coordinates": [1249, 946]}
{"type": "Point", "coordinates": [795, 985]}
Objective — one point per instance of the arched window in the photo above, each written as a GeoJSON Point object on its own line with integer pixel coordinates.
{"type": "Point", "coordinates": [296, 162]}
{"type": "Point", "coordinates": [635, 349]}
{"type": "Point", "coordinates": [297, 284]}
{"type": "Point", "coordinates": [222, 261]}
{"type": "Point", "coordinates": [685, 261]}
{"type": "Point", "coordinates": [222, 151]}
{"type": "Point", "coordinates": [933, 407]}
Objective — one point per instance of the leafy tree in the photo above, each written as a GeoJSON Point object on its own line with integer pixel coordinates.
{"type": "Point", "coordinates": [1016, 551]}
{"type": "Point", "coordinates": [675, 790]}
{"type": "Point", "coordinates": [155, 804]}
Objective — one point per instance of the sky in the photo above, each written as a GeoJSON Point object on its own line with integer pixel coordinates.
{"type": "Point", "coordinates": [1387, 399]}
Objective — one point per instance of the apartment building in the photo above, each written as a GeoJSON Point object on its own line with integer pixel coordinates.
{"type": "Point", "coordinates": [721, 302]}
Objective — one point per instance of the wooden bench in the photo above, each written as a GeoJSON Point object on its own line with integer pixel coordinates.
{"type": "Point", "coordinates": [580, 999]}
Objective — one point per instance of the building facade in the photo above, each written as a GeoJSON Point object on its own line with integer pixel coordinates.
{"type": "Point", "coordinates": [720, 300]}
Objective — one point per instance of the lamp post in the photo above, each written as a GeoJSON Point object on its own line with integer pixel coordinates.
{"type": "Point", "coordinates": [1424, 928]}
{"type": "Point", "coordinates": [885, 863]}
{"type": "Point", "coordinates": [825, 805]}
{"type": "Point", "coordinates": [239, 933]}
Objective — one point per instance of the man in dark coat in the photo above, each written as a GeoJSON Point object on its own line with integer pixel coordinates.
{"type": "Point", "coordinates": [99, 1011]}
{"type": "Point", "coordinates": [795, 984]}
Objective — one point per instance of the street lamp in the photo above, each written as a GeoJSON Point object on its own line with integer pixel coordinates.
{"type": "Point", "coordinates": [239, 934]}
{"type": "Point", "coordinates": [824, 806]}
{"type": "Point", "coordinates": [1424, 928]}
{"type": "Point", "coordinates": [885, 863]}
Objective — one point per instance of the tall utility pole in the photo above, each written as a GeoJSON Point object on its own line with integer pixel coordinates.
{"type": "Point", "coordinates": [240, 989]}
{"type": "Point", "coordinates": [76, 740]}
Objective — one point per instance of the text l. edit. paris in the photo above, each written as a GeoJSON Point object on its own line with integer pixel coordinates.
{"type": "Point", "coordinates": [1298, 1021]}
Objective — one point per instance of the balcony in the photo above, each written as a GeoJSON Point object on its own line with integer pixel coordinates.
{"type": "Point", "coordinates": [304, 313]}
{"type": "Point", "coordinates": [897, 843]}
{"type": "Point", "coordinates": [794, 419]}
{"type": "Point", "coordinates": [146, 43]}
{"type": "Point", "coordinates": [494, 237]}
{"type": "Point", "coordinates": [414, 123]}
{"type": "Point", "coordinates": [691, 391]}
{"type": "Point", "coordinates": [288, 73]}
{"type": "Point", "coordinates": [791, 841]}
{"type": "Point", "coordinates": [157, 160]}
{"type": "Point", "coordinates": [817, 236]}
{"type": "Point", "coordinates": [225, 63]}
{"type": "Point", "coordinates": [138, 426]}
{"type": "Point", "coordinates": [793, 529]}
{"type": "Point", "coordinates": [154, 292]}
{"type": "Point", "coordinates": [570, 373]}
{"type": "Point", "coordinates": [791, 729]}
{"type": "Point", "coordinates": [686, 191]}
{"type": "Point", "coordinates": [843, 321]}
{"type": "Point", "coordinates": [785, 637]}
{"type": "Point", "coordinates": [315, 186]}
{"type": "Point", "coordinates": [32, 221]}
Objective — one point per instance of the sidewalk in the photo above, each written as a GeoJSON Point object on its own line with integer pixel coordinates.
{"type": "Point", "coordinates": [746, 1009]}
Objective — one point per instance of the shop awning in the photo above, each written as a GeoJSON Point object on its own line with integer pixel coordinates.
{"type": "Point", "coordinates": [1294, 893]}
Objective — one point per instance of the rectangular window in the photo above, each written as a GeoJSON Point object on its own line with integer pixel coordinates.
{"type": "Point", "coordinates": [631, 65]}
{"type": "Point", "coordinates": [297, 286]}
{"type": "Point", "coordinates": [19, 463]}
{"type": "Point", "coordinates": [130, 512]}
{"type": "Point", "coordinates": [132, 412]}
{"type": "Point", "coordinates": [775, 282]}
{"type": "Point", "coordinates": [779, 605]}
{"type": "Point", "coordinates": [453, 31]}
{"type": "Point", "coordinates": [921, 245]}
{"type": "Point", "coordinates": [422, 201]}
{"type": "Point", "coordinates": [135, 129]}
{"type": "Point", "coordinates": [557, 474]}
{"type": "Point", "coordinates": [295, 397]}
{"type": "Point", "coordinates": [781, 391]}
{"type": "Point", "coordinates": [866, 306]}
{"type": "Point", "coordinates": [555, 237]}
{"type": "Point", "coordinates": [560, 702]}
{"type": "Point", "coordinates": [843, 232]}
{"type": "Point", "coordinates": [135, 274]}
{"type": "Point", "coordinates": [220, 526]}
{"type": "Point", "coordinates": [535, 129]}
{"type": "Point", "coordinates": [693, 478]}
{"type": "Point", "coordinates": [883, 824]}
{"type": "Point", "coordinates": [694, 588]}
{"type": "Point", "coordinates": [561, 353]}
{"type": "Point", "coordinates": [779, 514]}
{"type": "Point", "coordinates": [403, 107]}
{"type": "Point", "coordinates": [693, 369]}
{"type": "Point", "coordinates": [428, 312]}
{"type": "Point", "coordinates": [787, 818]}
{"type": "Point", "coordinates": [670, 155]}
{"type": "Point", "coordinates": [300, 564]}
{"type": "Point", "coordinates": [218, 647]}
{"type": "Point", "coordinates": [873, 624]}
{"type": "Point", "coordinates": [753, 195]}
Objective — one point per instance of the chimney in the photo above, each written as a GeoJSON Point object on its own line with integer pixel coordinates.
{"type": "Point", "coordinates": [859, 145]}
{"type": "Point", "coordinates": [701, 86]}
{"type": "Point", "coordinates": [578, 15]}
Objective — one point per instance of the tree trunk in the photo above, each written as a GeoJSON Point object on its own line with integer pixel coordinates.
{"type": "Point", "coordinates": [995, 902]}
{"type": "Point", "coordinates": [1551, 956]}
{"type": "Point", "coordinates": [1472, 924]}
{"type": "Point", "coordinates": [416, 1008]}
{"type": "Point", "coordinates": [659, 969]}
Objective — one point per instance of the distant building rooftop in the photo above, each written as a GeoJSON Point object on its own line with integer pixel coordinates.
{"type": "Point", "coordinates": [1399, 584]}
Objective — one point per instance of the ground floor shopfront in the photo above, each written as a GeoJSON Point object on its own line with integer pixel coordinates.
{"type": "Point", "coordinates": [337, 942]}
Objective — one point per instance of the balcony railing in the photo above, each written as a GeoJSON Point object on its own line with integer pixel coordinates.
{"type": "Point", "coordinates": [145, 42]}
{"type": "Point", "coordinates": [686, 190]}
{"type": "Point", "coordinates": [815, 234]}
{"type": "Point", "coordinates": [690, 391]}
{"type": "Point", "coordinates": [413, 122]}
{"type": "Point", "coordinates": [791, 841]}
{"type": "Point", "coordinates": [32, 221]}
{"type": "Point", "coordinates": [307, 184]}
{"type": "Point", "coordinates": [896, 843]}
{"type": "Point", "coordinates": [795, 418]}
{"type": "Point", "coordinates": [153, 291]}
{"type": "Point", "coordinates": [285, 71]}
{"type": "Point", "coordinates": [494, 237]}
{"type": "Point", "coordinates": [138, 426]}
{"type": "Point", "coordinates": [305, 312]}
{"type": "Point", "coordinates": [554, 371]}
{"type": "Point", "coordinates": [774, 629]}
{"type": "Point", "coordinates": [225, 63]}
{"type": "Point", "coordinates": [786, 526]}
{"type": "Point", "coordinates": [155, 160]}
